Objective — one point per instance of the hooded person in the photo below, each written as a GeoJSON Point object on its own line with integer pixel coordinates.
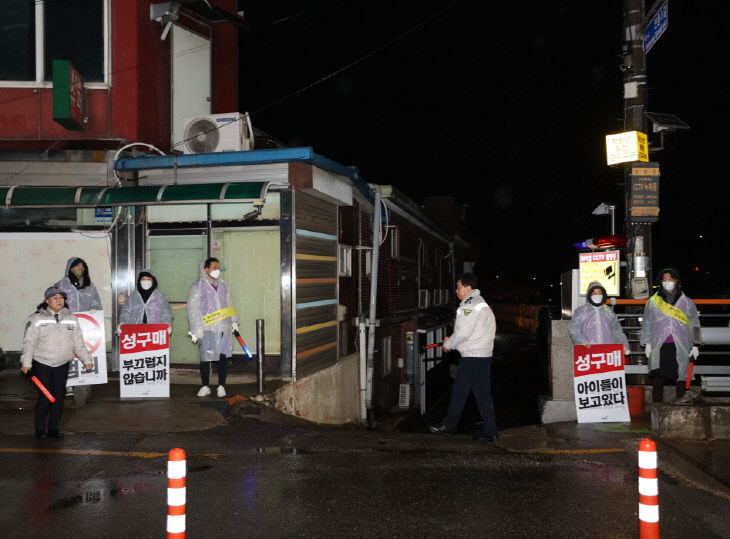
{"type": "Point", "coordinates": [595, 322]}
{"type": "Point", "coordinates": [212, 319]}
{"type": "Point", "coordinates": [52, 338]}
{"type": "Point", "coordinates": [667, 333]}
{"type": "Point", "coordinates": [146, 305]}
{"type": "Point", "coordinates": [81, 294]}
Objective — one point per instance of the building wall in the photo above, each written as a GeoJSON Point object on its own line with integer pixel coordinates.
{"type": "Point", "coordinates": [136, 105]}
{"type": "Point", "coordinates": [316, 281]}
{"type": "Point", "coordinates": [397, 296]}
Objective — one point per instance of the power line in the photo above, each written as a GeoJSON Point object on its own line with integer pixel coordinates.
{"type": "Point", "coordinates": [359, 60]}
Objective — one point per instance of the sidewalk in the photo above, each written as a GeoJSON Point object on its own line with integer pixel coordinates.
{"type": "Point", "coordinates": [106, 412]}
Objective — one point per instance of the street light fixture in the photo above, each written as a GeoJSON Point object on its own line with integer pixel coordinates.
{"type": "Point", "coordinates": [607, 209]}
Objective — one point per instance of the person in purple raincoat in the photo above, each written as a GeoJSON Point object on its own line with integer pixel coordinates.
{"type": "Point", "coordinates": [209, 295]}
{"type": "Point", "coordinates": [667, 333]}
{"type": "Point", "coordinates": [81, 294]}
{"type": "Point", "coordinates": [146, 305]}
{"type": "Point", "coordinates": [595, 322]}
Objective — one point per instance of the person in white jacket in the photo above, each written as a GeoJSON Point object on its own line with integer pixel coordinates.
{"type": "Point", "coordinates": [473, 337]}
{"type": "Point", "coordinates": [52, 337]}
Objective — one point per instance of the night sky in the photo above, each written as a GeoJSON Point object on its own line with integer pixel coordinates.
{"type": "Point", "coordinates": [505, 107]}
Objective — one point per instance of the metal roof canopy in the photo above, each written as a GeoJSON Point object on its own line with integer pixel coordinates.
{"type": "Point", "coordinates": [22, 196]}
{"type": "Point", "coordinates": [251, 157]}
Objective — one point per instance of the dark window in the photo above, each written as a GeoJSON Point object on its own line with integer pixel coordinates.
{"type": "Point", "coordinates": [17, 40]}
{"type": "Point", "coordinates": [75, 32]}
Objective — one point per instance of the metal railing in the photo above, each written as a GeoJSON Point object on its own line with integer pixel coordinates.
{"type": "Point", "coordinates": [714, 359]}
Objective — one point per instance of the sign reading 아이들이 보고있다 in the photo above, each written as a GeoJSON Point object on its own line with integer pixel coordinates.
{"type": "Point", "coordinates": [144, 361]}
{"type": "Point", "coordinates": [92, 328]}
{"type": "Point", "coordinates": [599, 382]}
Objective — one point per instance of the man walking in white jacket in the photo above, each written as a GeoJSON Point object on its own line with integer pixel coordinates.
{"type": "Point", "coordinates": [473, 338]}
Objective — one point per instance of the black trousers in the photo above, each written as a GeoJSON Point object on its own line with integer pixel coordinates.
{"type": "Point", "coordinates": [668, 371]}
{"type": "Point", "coordinates": [54, 379]}
{"type": "Point", "coordinates": [207, 366]}
{"type": "Point", "coordinates": [474, 375]}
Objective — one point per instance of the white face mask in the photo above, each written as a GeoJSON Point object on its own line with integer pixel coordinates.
{"type": "Point", "coordinates": [215, 274]}
{"type": "Point", "coordinates": [597, 299]}
{"type": "Point", "coordinates": [668, 285]}
{"type": "Point", "coordinates": [145, 284]}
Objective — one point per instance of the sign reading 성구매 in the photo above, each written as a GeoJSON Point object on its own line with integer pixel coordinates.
{"type": "Point", "coordinates": [92, 328]}
{"type": "Point", "coordinates": [144, 361]}
{"type": "Point", "coordinates": [600, 383]}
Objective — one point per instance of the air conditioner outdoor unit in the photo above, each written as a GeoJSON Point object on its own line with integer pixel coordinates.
{"type": "Point", "coordinates": [231, 132]}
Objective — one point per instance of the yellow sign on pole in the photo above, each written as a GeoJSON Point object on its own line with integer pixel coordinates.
{"type": "Point", "coordinates": [627, 147]}
{"type": "Point", "coordinates": [602, 267]}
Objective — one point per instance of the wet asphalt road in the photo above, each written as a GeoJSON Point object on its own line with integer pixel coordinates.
{"type": "Point", "coordinates": [249, 479]}
{"type": "Point", "coordinates": [267, 475]}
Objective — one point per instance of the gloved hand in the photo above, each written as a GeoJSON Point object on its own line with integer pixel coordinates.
{"type": "Point", "coordinates": [194, 336]}
{"type": "Point", "coordinates": [647, 351]}
{"type": "Point", "coordinates": [626, 351]}
{"type": "Point", "coordinates": [694, 352]}
{"type": "Point", "coordinates": [234, 326]}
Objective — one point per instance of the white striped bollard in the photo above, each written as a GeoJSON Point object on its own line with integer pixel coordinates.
{"type": "Point", "coordinates": [648, 491]}
{"type": "Point", "coordinates": [176, 472]}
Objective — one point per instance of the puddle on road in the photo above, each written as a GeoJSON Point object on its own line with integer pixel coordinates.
{"type": "Point", "coordinates": [605, 473]}
{"type": "Point", "coordinates": [98, 491]}
{"type": "Point", "coordinates": [283, 450]}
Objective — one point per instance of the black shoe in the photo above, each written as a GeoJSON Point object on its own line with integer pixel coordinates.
{"type": "Point", "coordinates": [55, 434]}
{"type": "Point", "coordinates": [40, 435]}
{"type": "Point", "coordinates": [481, 437]}
{"type": "Point", "coordinates": [439, 428]}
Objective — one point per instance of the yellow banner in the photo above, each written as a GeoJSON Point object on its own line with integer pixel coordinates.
{"type": "Point", "coordinates": [670, 310]}
{"type": "Point", "coordinates": [217, 316]}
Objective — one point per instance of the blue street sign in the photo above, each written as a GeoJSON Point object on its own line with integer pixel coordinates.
{"type": "Point", "coordinates": [656, 27]}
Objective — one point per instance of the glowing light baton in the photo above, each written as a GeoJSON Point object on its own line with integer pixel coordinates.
{"type": "Point", "coordinates": [689, 373]}
{"type": "Point", "coordinates": [43, 389]}
{"type": "Point", "coordinates": [243, 344]}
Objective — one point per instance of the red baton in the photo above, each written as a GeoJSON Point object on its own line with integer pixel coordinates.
{"type": "Point", "coordinates": [434, 345]}
{"type": "Point", "coordinates": [38, 383]}
{"type": "Point", "coordinates": [689, 374]}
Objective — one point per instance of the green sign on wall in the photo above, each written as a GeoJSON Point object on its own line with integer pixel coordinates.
{"type": "Point", "coordinates": [68, 96]}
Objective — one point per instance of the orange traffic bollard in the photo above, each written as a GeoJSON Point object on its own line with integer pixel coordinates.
{"type": "Point", "coordinates": [176, 471]}
{"type": "Point", "coordinates": [648, 491]}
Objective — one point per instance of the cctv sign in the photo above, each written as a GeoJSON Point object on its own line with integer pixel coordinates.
{"type": "Point", "coordinates": [602, 267]}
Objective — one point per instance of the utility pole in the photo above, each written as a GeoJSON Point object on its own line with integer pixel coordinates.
{"type": "Point", "coordinates": [638, 247]}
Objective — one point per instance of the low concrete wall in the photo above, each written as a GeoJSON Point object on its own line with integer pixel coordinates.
{"type": "Point", "coordinates": [560, 404]}
{"type": "Point", "coordinates": [698, 422]}
{"type": "Point", "coordinates": [328, 396]}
